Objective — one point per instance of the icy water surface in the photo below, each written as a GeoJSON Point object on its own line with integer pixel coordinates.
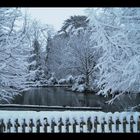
{"type": "Point", "coordinates": [58, 96]}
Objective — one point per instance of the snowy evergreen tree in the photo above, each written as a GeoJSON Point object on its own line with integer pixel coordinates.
{"type": "Point", "coordinates": [38, 40]}
{"type": "Point", "coordinates": [36, 72]}
{"type": "Point", "coordinates": [74, 22]}
{"type": "Point", "coordinates": [56, 57]}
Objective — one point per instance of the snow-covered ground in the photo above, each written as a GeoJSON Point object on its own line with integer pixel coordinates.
{"type": "Point", "coordinates": [77, 115]}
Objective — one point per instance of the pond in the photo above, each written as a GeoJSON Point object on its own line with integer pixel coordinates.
{"type": "Point", "coordinates": [58, 96]}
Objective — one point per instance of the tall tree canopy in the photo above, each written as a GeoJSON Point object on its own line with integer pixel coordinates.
{"type": "Point", "coordinates": [115, 31]}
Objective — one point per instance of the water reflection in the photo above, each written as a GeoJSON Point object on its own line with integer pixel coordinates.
{"type": "Point", "coordinates": [62, 97]}
{"type": "Point", "coordinates": [56, 97]}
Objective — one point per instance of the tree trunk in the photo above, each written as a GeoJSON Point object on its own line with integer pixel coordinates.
{"type": "Point", "coordinates": [87, 80]}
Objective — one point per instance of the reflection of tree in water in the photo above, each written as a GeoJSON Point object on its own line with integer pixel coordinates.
{"type": "Point", "coordinates": [82, 102]}
{"type": "Point", "coordinates": [37, 98]}
{"type": "Point", "coordinates": [127, 101]}
{"type": "Point", "coordinates": [75, 101]}
{"type": "Point", "coordinates": [28, 97]}
{"type": "Point", "coordinates": [86, 99]}
{"type": "Point", "coordinates": [82, 99]}
{"type": "Point", "coordinates": [62, 97]}
{"type": "Point", "coordinates": [55, 96]}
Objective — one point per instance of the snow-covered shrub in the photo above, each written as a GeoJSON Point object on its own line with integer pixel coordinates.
{"type": "Point", "coordinates": [75, 87]}
{"type": "Point", "coordinates": [52, 81]}
{"type": "Point", "coordinates": [79, 88]}
{"type": "Point", "coordinates": [80, 79]}
{"type": "Point", "coordinates": [62, 81]}
{"type": "Point", "coordinates": [79, 84]}
{"type": "Point", "coordinates": [70, 79]}
{"type": "Point", "coordinates": [44, 82]}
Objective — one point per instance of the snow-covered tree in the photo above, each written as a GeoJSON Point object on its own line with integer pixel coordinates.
{"type": "Point", "coordinates": [56, 57]}
{"type": "Point", "coordinates": [80, 54]}
{"type": "Point", "coordinates": [74, 22]}
{"type": "Point", "coordinates": [115, 31]}
{"type": "Point", "coordinates": [35, 69]}
{"type": "Point", "coordinates": [64, 46]}
{"type": "Point", "coordinates": [82, 57]}
{"type": "Point", "coordinates": [38, 38]}
{"type": "Point", "coordinates": [13, 54]}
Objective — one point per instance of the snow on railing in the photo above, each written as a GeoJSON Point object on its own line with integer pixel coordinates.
{"type": "Point", "coordinates": [69, 122]}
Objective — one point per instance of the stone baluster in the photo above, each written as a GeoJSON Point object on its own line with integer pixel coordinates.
{"type": "Point", "coordinates": [96, 123]}
{"type": "Point", "coordinates": [2, 126]}
{"type": "Point", "coordinates": [9, 125]}
{"type": "Point", "coordinates": [46, 124]}
{"type": "Point", "coordinates": [125, 122]}
{"type": "Point", "coordinates": [89, 124]}
{"type": "Point", "coordinates": [24, 125]}
{"type": "Point", "coordinates": [138, 124]}
{"type": "Point", "coordinates": [74, 125]}
{"type": "Point", "coordinates": [110, 123]}
{"type": "Point", "coordinates": [117, 124]}
{"type": "Point", "coordinates": [82, 123]}
{"type": "Point", "coordinates": [132, 122]}
{"type": "Point", "coordinates": [103, 123]}
{"type": "Point", "coordinates": [60, 124]}
{"type": "Point", "coordinates": [31, 125]}
{"type": "Point", "coordinates": [16, 125]}
{"type": "Point", "coordinates": [53, 124]}
{"type": "Point", "coordinates": [38, 125]}
{"type": "Point", "coordinates": [67, 125]}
